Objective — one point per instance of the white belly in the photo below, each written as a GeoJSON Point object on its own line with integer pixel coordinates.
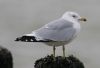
{"type": "Point", "coordinates": [58, 43]}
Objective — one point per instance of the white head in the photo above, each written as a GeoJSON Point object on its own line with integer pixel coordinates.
{"type": "Point", "coordinates": [72, 16]}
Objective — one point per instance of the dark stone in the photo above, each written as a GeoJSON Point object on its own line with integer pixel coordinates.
{"type": "Point", "coordinates": [6, 60]}
{"type": "Point", "coordinates": [60, 62]}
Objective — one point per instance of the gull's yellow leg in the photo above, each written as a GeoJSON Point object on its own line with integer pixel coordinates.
{"type": "Point", "coordinates": [54, 51]}
{"type": "Point", "coordinates": [63, 47]}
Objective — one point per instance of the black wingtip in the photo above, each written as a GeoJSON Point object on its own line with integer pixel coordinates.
{"type": "Point", "coordinates": [30, 39]}
{"type": "Point", "coordinates": [24, 39]}
{"type": "Point", "coordinates": [17, 39]}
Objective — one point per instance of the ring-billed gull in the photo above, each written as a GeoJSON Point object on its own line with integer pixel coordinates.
{"type": "Point", "coordinates": [56, 33]}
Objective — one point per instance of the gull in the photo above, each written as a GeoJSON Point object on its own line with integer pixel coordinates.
{"type": "Point", "coordinates": [56, 33]}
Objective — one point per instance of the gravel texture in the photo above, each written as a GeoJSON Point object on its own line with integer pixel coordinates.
{"type": "Point", "coordinates": [59, 62]}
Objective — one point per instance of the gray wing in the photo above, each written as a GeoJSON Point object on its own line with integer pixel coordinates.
{"type": "Point", "coordinates": [59, 30]}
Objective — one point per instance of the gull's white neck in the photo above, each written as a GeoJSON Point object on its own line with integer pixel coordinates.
{"type": "Point", "coordinates": [68, 18]}
{"type": "Point", "coordinates": [75, 22]}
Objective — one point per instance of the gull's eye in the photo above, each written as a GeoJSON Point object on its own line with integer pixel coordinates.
{"type": "Point", "coordinates": [74, 16]}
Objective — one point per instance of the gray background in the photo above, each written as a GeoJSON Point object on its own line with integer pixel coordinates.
{"type": "Point", "coordinates": [18, 17]}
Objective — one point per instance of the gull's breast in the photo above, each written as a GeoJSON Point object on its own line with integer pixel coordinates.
{"type": "Point", "coordinates": [77, 27]}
